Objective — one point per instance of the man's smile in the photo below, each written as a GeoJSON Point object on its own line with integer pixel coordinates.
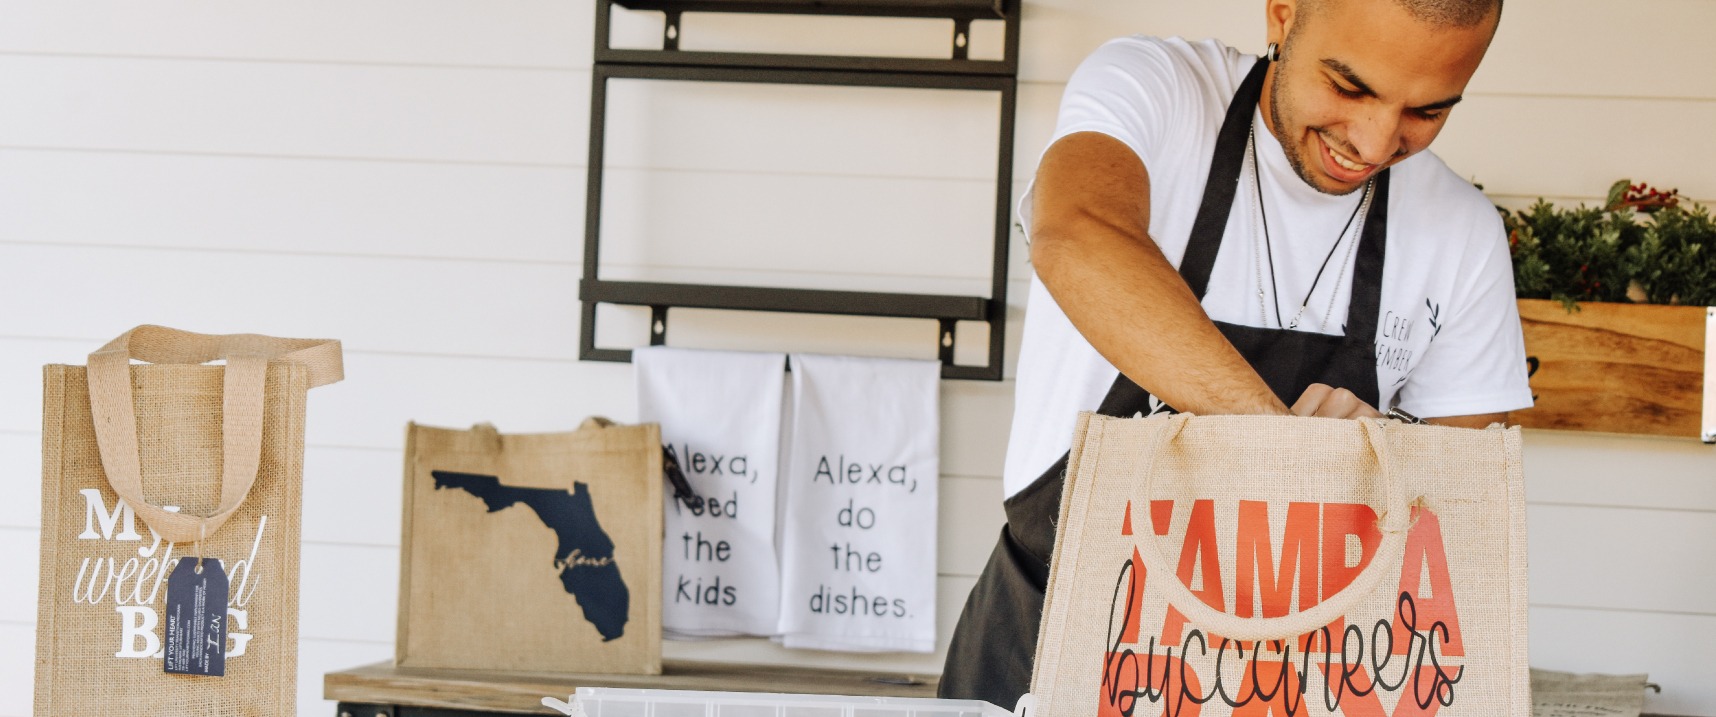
{"type": "Point", "coordinates": [1339, 166]}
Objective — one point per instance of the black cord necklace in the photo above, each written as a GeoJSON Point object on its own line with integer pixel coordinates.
{"type": "Point", "coordinates": [1269, 250]}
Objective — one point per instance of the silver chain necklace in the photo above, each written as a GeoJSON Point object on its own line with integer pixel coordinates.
{"type": "Point", "coordinates": [1257, 256]}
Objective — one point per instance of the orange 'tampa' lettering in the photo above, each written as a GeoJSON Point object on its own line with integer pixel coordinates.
{"type": "Point", "coordinates": [1424, 550]}
{"type": "Point", "coordinates": [1257, 571]}
{"type": "Point", "coordinates": [1339, 521]}
{"type": "Point", "coordinates": [1200, 543]}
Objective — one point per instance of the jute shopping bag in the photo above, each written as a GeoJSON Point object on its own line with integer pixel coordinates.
{"type": "Point", "coordinates": [1250, 565]}
{"type": "Point", "coordinates": [146, 465]}
{"type": "Point", "coordinates": [532, 552]}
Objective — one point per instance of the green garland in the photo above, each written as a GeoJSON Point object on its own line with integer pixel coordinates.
{"type": "Point", "coordinates": [1644, 246]}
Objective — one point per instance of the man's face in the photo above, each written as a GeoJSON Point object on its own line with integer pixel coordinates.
{"type": "Point", "coordinates": [1362, 85]}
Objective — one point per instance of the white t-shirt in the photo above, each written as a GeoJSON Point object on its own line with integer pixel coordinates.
{"type": "Point", "coordinates": [1448, 341]}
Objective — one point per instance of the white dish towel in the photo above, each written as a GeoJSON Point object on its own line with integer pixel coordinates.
{"type": "Point", "coordinates": [720, 414]}
{"type": "Point", "coordinates": [858, 558]}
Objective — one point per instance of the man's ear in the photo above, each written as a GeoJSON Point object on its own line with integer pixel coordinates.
{"type": "Point", "coordinates": [1280, 15]}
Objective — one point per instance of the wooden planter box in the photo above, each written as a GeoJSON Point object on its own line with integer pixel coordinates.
{"type": "Point", "coordinates": [1621, 368]}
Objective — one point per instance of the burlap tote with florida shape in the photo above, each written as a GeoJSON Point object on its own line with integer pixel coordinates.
{"type": "Point", "coordinates": [1249, 565]}
{"type": "Point", "coordinates": [149, 464]}
{"type": "Point", "coordinates": [532, 552]}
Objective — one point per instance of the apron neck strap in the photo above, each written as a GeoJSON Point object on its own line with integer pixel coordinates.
{"type": "Point", "coordinates": [1223, 183]}
{"type": "Point", "coordinates": [1365, 306]}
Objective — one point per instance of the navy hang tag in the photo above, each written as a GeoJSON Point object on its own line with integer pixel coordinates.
{"type": "Point", "coordinates": [196, 618]}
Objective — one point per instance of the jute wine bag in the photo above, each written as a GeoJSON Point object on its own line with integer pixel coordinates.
{"type": "Point", "coordinates": [1184, 539]}
{"type": "Point", "coordinates": [146, 465]}
{"type": "Point", "coordinates": [532, 552]}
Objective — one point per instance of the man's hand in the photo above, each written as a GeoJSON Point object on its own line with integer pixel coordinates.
{"type": "Point", "coordinates": [1326, 401]}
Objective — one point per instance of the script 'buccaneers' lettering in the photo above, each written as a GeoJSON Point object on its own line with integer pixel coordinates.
{"type": "Point", "coordinates": [1193, 668]}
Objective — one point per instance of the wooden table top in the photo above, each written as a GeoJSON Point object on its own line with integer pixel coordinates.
{"type": "Point", "coordinates": [522, 692]}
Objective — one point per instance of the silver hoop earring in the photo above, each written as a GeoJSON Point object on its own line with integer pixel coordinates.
{"type": "Point", "coordinates": [1273, 54]}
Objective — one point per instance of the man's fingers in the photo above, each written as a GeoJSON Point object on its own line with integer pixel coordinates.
{"type": "Point", "coordinates": [1345, 404]}
{"type": "Point", "coordinates": [1341, 403]}
{"type": "Point", "coordinates": [1365, 410]}
{"type": "Point", "coordinates": [1311, 399]}
{"type": "Point", "coordinates": [1326, 401]}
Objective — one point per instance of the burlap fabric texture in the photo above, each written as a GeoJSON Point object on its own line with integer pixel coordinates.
{"type": "Point", "coordinates": [532, 552]}
{"type": "Point", "coordinates": [144, 465]}
{"type": "Point", "coordinates": [1184, 539]}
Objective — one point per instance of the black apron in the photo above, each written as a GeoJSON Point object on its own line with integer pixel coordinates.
{"type": "Point", "coordinates": [996, 638]}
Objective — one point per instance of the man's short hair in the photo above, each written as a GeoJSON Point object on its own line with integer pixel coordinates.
{"type": "Point", "coordinates": [1446, 13]}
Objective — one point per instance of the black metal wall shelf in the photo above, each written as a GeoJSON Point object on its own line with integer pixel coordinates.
{"type": "Point", "coordinates": [967, 9]}
{"type": "Point", "coordinates": [958, 72]}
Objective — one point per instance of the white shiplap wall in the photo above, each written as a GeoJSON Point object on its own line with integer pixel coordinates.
{"type": "Point", "coordinates": [408, 175]}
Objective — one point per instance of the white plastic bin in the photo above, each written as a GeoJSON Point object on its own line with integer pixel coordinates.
{"type": "Point", "coordinates": [619, 702]}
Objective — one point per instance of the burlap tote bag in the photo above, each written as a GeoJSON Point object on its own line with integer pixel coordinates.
{"type": "Point", "coordinates": [1182, 540]}
{"type": "Point", "coordinates": [145, 465]}
{"type": "Point", "coordinates": [535, 552]}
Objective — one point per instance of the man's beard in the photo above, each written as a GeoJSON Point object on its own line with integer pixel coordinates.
{"type": "Point", "coordinates": [1290, 144]}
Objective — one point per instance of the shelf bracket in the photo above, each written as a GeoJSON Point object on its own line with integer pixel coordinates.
{"type": "Point", "coordinates": [670, 32]}
{"type": "Point", "coordinates": [946, 342]}
{"type": "Point", "coordinates": [658, 325]}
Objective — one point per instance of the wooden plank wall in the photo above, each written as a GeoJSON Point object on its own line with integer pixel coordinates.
{"type": "Point", "coordinates": [408, 175]}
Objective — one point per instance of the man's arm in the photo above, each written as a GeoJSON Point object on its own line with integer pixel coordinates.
{"type": "Point", "coordinates": [1092, 250]}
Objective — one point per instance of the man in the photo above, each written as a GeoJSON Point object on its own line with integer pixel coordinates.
{"type": "Point", "coordinates": [1215, 233]}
